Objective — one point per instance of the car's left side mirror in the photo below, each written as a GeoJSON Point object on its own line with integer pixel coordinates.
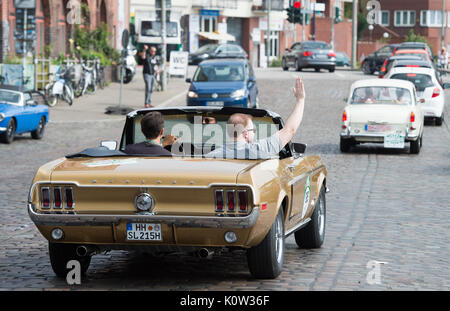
{"type": "Point", "coordinates": [109, 144]}
{"type": "Point", "coordinates": [188, 80]}
{"type": "Point", "coordinates": [446, 85]}
{"type": "Point", "coordinates": [251, 79]}
{"type": "Point", "coordinates": [299, 148]}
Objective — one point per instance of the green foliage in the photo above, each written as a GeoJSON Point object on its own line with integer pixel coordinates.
{"type": "Point", "coordinates": [362, 24]}
{"type": "Point", "coordinates": [13, 60]}
{"type": "Point", "coordinates": [91, 44]}
{"type": "Point", "coordinates": [412, 37]}
{"type": "Point", "coordinates": [275, 63]}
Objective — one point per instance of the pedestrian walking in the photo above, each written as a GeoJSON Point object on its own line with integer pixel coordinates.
{"type": "Point", "coordinates": [151, 63]}
{"type": "Point", "coordinates": [443, 59]}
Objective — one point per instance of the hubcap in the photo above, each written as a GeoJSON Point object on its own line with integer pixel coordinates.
{"type": "Point", "coordinates": [279, 239]}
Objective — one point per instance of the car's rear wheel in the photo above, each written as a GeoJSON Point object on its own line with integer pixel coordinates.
{"type": "Point", "coordinates": [345, 144]}
{"type": "Point", "coordinates": [317, 69]}
{"type": "Point", "coordinates": [265, 261]}
{"type": "Point", "coordinates": [284, 65]}
{"type": "Point", "coordinates": [38, 133]}
{"type": "Point", "coordinates": [8, 136]}
{"type": "Point", "coordinates": [414, 146]}
{"type": "Point", "coordinates": [332, 69]}
{"type": "Point", "coordinates": [313, 235]}
{"type": "Point", "coordinates": [297, 66]}
{"type": "Point", "coordinates": [61, 254]}
{"type": "Point", "coordinates": [438, 121]}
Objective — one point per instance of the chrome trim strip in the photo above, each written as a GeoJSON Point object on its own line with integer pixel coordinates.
{"type": "Point", "coordinates": [51, 219]}
{"type": "Point", "coordinates": [299, 226]}
{"type": "Point", "coordinates": [300, 177]}
{"type": "Point", "coordinates": [140, 186]}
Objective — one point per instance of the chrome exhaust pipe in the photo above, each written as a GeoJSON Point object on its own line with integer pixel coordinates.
{"type": "Point", "coordinates": [86, 250]}
{"type": "Point", "coordinates": [205, 253]}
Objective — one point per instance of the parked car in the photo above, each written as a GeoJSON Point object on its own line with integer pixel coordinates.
{"type": "Point", "coordinates": [21, 111]}
{"type": "Point", "coordinates": [211, 51]}
{"type": "Point", "coordinates": [309, 54]}
{"type": "Point", "coordinates": [374, 61]}
{"type": "Point", "coordinates": [421, 53]}
{"type": "Point", "coordinates": [415, 46]}
{"type": "Point", "coordinates": [389, 61]}
{"type": "Point", "coordinates": [342, 59]}
{"type": "Point", "coordinates": [164, 204]}
{"type": "Point", "coordinates": [382, 111]}
{"type": "Point", "coordinates": [223, 82]}
{"type": "Point", "coordinates": [429, 90]}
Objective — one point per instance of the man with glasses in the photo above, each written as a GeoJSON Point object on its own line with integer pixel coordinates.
{"type": "Point", "coordinates": [241, 131]}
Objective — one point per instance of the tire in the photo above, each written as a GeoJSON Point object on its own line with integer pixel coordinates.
{"type": "Point", "coordinates": [61, 253]}
{"type": "Point", "coordinates": [38, 133]}
{"type": "Point", "coordinates": [283, 65]}
{"type": "Point", "coordinates": [297, 66]}
{"type": "Point", "coordinates": [317, 69]}
{"type": "Point", "coordinates": [313, 235]}
{"type": "Point", "coordinates": [366, 68]}
{"type": "Point", "coordinates": [265, 261]}
{"type": "Point", "coordinates": [8, 136]}
{"type": "Point", "coordinates": [68, 95]}
{"type": "Point", "coordinates": [52, 100]}
{"type": "Point", "coordinates": [414, 146]}
{"type": "Point", "coordinates": [438, 121]}
{"type": "Point", "coordinates": [332, 69]}
{"type": "Point", "coordinates": [345, 145]}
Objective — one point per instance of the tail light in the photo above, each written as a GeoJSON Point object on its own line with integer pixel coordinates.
{"type": "Point", "coordinates": [219, 200]}
{"type": "Point", "coordinates": [45, 197]}
{"type": "Point", "coordinates": [436, 92]}
{"type": "Point", "coordinates": [331, 54]}
{"type": "Point", "coordinates": [69, 197]}
{"type": "Point", "coordinates": [242, 195]}
{"type": "Point", "coordinates": [57, 198]}
{"type": "Point", "coordinates": [307, 53]}
{"type": "Point", "coordinates": [412, 117]}
{"type": "Point", "coordinates": [344, 116]}
{"type": "Point", "coordinates": [231, 201]}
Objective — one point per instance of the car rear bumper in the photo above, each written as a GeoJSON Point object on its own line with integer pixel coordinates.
{"type": "Point", "coordinates": [53, 219]}
{"type": "Point", "coordinates": [375, 138]}
{"type": "Point", "coordinates": [318, 63]}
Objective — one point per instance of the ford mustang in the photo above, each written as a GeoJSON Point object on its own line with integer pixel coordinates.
{"type": "Point", "coordinates": [102, 199]}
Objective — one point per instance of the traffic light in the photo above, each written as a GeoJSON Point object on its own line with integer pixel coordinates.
{"type": "Point", "coordinates": [290, 14]}
{"type": "Point", "coordinates": [337, 15]}
{"type": "Point", "coordinates": [294, 12]}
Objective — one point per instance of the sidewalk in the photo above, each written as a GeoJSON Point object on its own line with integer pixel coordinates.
{"type": "Point", "coordinates": [92, 107]}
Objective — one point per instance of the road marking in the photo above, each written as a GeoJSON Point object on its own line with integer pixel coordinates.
{"type": "Point", "coordinates": [170, 100]}
{"type": "Point", "coordinates": [340, 75]}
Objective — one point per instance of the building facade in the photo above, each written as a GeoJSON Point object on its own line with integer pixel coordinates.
{"type": "Point", "coordinates": [246, 22]}
{"type": "Point", "coordinates": [424, 17]}
{"type": "Point", "coordinates": [54, 23]}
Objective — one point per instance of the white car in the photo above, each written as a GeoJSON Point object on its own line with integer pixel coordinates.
{"type": "Point", "coordinates": [382, 111]}
{"type": "Point", "coordinates": [428, 87]}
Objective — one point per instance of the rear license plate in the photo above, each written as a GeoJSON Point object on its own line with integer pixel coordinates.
{"type": "Point", "coordinates": [394, 140]}
{"type": "Point", "coordinates": [144, 232]}
{"type": "Point", "coordinates": [321, 56]}
{"type": "Point", "coordinates": [377, 128]}
{"type": "Point", "coordinates": [220, 104]}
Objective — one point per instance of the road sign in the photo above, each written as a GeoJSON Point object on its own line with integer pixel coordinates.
{"type": "Point", "coordinates": [25, 4]}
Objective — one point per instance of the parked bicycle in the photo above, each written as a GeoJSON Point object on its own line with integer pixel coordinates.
{"type": "Point", "coordinates": [60, 88]}
{"type": "Point", "coordinates": [100, 73]}
{"type": "Point", "coordinates": [88, 82]}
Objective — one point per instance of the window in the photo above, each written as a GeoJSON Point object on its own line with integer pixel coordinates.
{"type": "Point", "coordinates": [431, 18]}
{"type": "Point", "coordinates": [208, 24]}
{"type": "Point", "coordinates": [384, 18]}
{"type": "Point", "coordinates": [405, 18]}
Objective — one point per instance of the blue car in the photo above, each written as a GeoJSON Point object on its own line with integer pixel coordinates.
{"type": "Point", "coordinates": [21, 112]}
{"type": "Point", "coordinates": [223, 83]}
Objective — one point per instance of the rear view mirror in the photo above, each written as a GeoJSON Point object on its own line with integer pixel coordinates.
{"type": "Point", "coordinates": [345, 100]}
{"type": "Point", "coordinates": [109, 144]}
{"type": "Point", "coordinates": [446, 85]}
{"type": "Point", "coordinates": [299, 148]}
{"type": "Point", "coordinates": [188, 80]}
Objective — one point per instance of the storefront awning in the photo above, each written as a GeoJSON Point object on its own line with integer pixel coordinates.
{"type": "Point", "coordinates": [217, 36]}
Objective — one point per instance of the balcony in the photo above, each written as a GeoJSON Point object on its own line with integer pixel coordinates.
{"type": "Point", "coordinates": [216, 4]}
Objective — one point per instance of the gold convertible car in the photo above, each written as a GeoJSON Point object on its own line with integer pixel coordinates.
{"type": "Point", "coordinates": [102, 199]}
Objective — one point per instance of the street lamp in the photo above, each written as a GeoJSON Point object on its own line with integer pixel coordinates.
{"type": "Point", "coordinates": [371, 29]}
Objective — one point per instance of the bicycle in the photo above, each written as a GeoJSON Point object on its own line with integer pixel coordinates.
{"type": "Point", "coordinates": [60, 89]}
{"type": "Point", "coordinates": [100, 73]}
{"type": "Point", "coordinates": [88, 81]}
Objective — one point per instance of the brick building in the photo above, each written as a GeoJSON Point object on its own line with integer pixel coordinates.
{"type": "Point", "coordinates": [424, 17]}
{"type": "Point", "coordinates": [53, 27]}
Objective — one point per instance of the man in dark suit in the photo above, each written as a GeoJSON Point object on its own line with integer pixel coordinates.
{"type": "Point", "coordinates": [152, 126]}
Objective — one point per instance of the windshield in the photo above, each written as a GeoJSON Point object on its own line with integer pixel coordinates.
{"type": "Point", "coordinates": [421, 81]}
{"type": "Point", "coordinates": [222, 73]}
{"type": "Point", "coordinates": [153, 29]}
{"type": "Point", "coordinates": [9, 96]}
{"type": "Point", "coordinates": [381, 95]}
{"type": "Point", "coordinates": [199, 134]}
{"type": "Point", "coordinates": [315, 45]}
{"type": "Point", "coordinates": [206, 48]}
{"type": "Point", "coordinates": [421, 55]}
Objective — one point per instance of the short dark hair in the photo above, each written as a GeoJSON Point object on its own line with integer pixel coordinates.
{"type": "Point", "coordinates": [236, 124]}
{"type": "Point", "coordinates": [151, 124]}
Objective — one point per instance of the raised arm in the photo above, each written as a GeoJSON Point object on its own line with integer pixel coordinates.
{"type": "Point", "coordinates": [295, 118]}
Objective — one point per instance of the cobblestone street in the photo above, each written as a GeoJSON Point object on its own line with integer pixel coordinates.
{"type": "Point", "coordinates": [384, 205]}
